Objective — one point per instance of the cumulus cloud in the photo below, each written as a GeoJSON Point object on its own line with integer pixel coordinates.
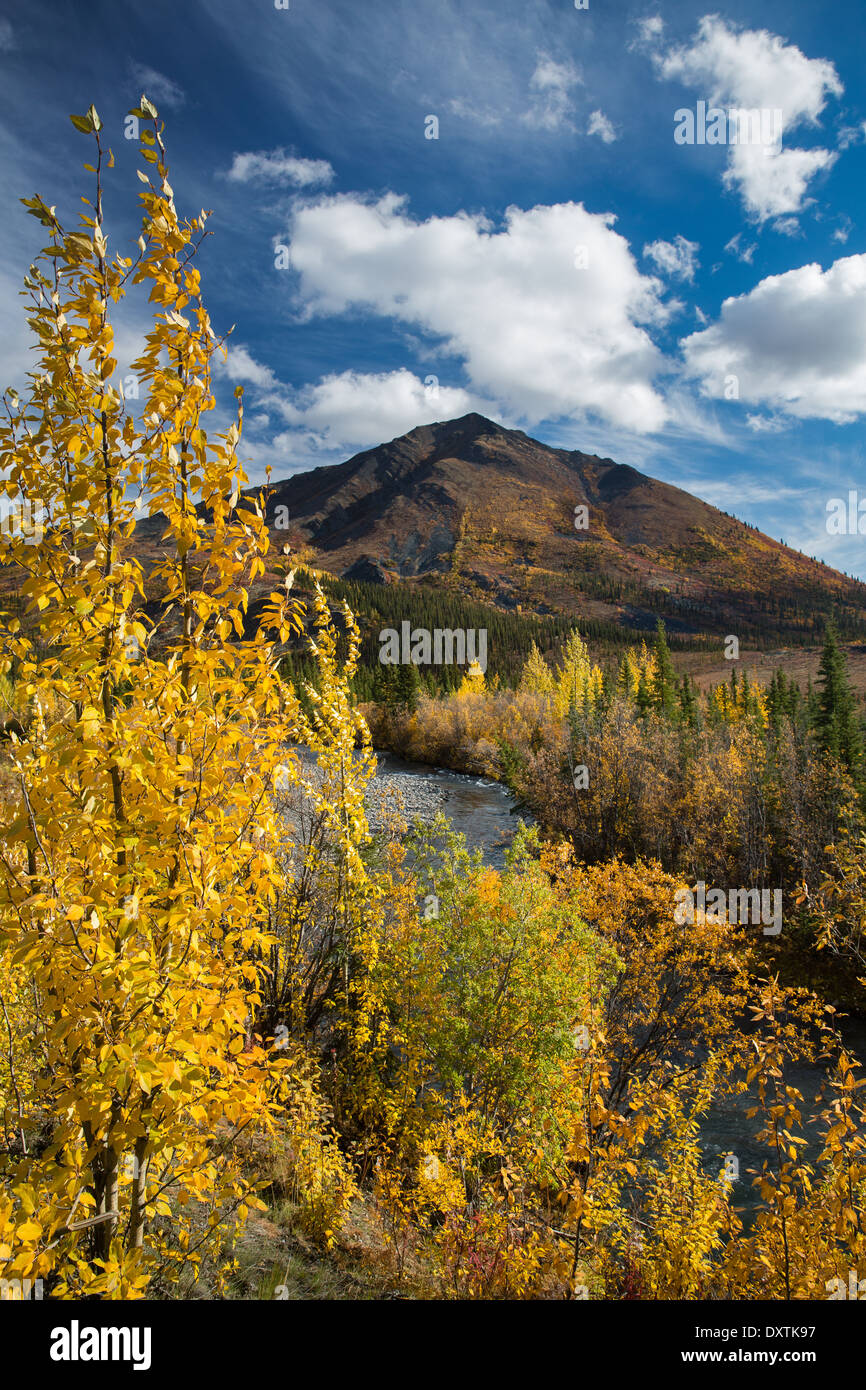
{"type": "Point", "coordinates": [548, 313]}
{"type": "Point", "coordinates": [678, 258]}
{"type": "Point", "coordinates": [843, 231]}
{"type": "Point", "coordinates": [161, 90]}
{"type": "Point", "coordinates": [754, 69]}
{"type": "Point", "coordinates": [551, 85]}
{"type": "Point", "coordinates": [796, 343]}
{"type": "Point", "coordinates": [276, 166]}
{"type": "Point", "coordinates": [349, 411]}
{"type": "Point", "coordinates": [600, 125]}
{"type": "Point", "coordinates": [852, 135]}
{"type": "Point", "coordinates": [774, 181]}
{"type": "Point", "coordinates": [344, 411]}
{"type": "Point", "coordinates": [240, 366]}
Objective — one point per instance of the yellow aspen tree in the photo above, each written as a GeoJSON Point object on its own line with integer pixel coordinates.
{"type": "Point", "coordinates": [574, 673]}
{"type": "Point", "coordinates": [135, 867]}
{"type": "Point", "coordinates": [473, 682]}
{"type": "Point", "coordinates": [536, 677]}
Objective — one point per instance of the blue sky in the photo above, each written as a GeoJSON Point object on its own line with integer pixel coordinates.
{"type": "Point", "coordinates": [554, 259]}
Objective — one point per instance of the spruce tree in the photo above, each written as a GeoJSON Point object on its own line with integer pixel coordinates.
{"type": "Point", "coordinates": [835, 719]}
{"type": "Point", "coordinates": [664, 679]}
{"type": "Point", "coordinates": [775, 703]}
{"type": "Point", "coordinates": [643, 696]}
{"type": "Point", "coordinates": [407, 687]}
{"type": "Point", "coordinates": [688, 701]}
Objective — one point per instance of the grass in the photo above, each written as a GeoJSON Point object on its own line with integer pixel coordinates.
{"type": "Point", "coordinates": [276, 1261]}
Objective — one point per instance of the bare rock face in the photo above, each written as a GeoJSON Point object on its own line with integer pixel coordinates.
{"type": "Point", "coordinates": [368, 571]}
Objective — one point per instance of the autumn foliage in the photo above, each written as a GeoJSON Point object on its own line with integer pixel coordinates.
{"type": "Point", "coordinates": [214, 981]}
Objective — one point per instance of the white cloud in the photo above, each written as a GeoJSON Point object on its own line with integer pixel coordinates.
{"type": "Point", "coordinates": [737, 490]}
{"type": "Point", "coordinates": [843, 231]}
{"type": "Point", "coordinates": [551, 82]}
{"type": "Point", "coordinates": [241, 366]}
{"type": "Point", "coordinates": [161, 90]}
{"type": "Point", "coordinates": [467, 111]}
{"type": "Point", "coordinates": [343, 412]}
{"type": "Point", "coordinates": [755, 69]}
{"type": "Point", "coordinates": [796, 343]}
{"type": "Point", "coordinates": [600, 125]}
{"type": "Point", "coordinates": [276, 166]}
{"type": "Point", "coordinates": [852, 135]}
{"type": "Point", "coordinates": [773, 182]}
{"type": "Point", "coordinates": [678, 258]}
{"type": "Point", "coordinates": [651, 28]}
{"type": "Point", "coordinates": [349, 411]}
{"type": "Point", "coordinates": [542, 337]}
{"type": "Point", "coordinates": [742, 253]}
{"type": "Point", "coordinates": [788, 226]}
{"type": "Point", "coordinates": [766, 424]}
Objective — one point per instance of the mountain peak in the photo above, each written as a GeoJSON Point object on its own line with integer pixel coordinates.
{"type": "Point", "coordinates": [497, 516]}
{"type": "Point", "coordinates": [470, 426]}
{"type": "Point", "coordinates": [474, 421]}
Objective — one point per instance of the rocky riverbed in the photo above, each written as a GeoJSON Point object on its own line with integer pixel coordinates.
{"type": "Point", "coordinates": [411, 797]}
{"type": "Point", "coordinates": [479, 809]}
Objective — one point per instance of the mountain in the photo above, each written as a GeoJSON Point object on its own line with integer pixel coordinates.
{"type": "Point", "coordinates": [490, 514]}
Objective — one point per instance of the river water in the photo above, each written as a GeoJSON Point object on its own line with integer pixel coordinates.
{"type": "Point", "coordinates": [483, 811]}
{"type": "Point", "coordinates": [479, 809]}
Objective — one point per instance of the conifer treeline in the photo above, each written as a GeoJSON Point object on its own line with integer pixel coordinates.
{"type": "Point", "coordinates": [762, 620]}
{"type": "Point", "coordinates": [510, 635]}
{"type": "Point", "coordinates": [740, 784]}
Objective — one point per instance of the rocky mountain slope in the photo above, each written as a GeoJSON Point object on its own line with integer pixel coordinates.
{"type": "Point", "coordinates": [491, 513]}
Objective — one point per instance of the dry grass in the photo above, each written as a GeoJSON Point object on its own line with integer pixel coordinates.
{"type": "Point", "coordinates": [276, 1261]}
{"type": "Point", "coordinates": [798, 663]}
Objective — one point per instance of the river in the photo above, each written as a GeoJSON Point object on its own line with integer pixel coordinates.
{"type": "Point", "coordinates": [479, 809]}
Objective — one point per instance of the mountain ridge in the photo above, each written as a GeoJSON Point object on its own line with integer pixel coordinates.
{"type": "Point", "coordinates": [490, 512]}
